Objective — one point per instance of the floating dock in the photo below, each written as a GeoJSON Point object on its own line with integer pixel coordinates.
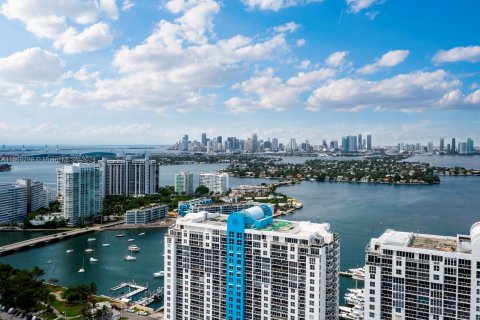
{"type": "Point", "coordinates": [137, 289]}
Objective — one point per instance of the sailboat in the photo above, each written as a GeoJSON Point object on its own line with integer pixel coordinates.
{"type": "Point", "coordinates": [106, 244]}
{"type": "Point", "coordinates": [81, 270]}
{"type": "Point", "coordinates": [130, 257]}
{"type": "Point", "coordinates": [93, 259]}
{"type": "Point", "coordinates": [89, 249]}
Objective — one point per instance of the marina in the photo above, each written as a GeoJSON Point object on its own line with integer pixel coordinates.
{"type": "Point", "coordinates": [127, 285]}
{"type": "Point", "coordinates": [354, 307]}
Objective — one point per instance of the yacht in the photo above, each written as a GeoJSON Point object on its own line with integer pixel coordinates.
{"type": "Point", "coordinates": [158, 274]}
{"type": "Point", "coordinates": [133, 247]}
{"type": "Point", "coordinates": [130, 258]}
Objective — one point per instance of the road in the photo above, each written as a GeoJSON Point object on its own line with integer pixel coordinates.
{"type": "Point", "coordinates": [9, 248]}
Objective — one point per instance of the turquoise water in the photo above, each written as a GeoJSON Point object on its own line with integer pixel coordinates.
{"type": "Point", "coordinates": [110, 270]}
{"type": "Point", "coordinates": [357, 212]}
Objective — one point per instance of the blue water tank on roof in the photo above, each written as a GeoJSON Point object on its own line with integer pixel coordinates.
{"type": "Point", "coordinates": [256, 213]}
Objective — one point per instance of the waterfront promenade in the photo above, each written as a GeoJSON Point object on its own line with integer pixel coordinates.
{"type": "Point", "coordinates": [10, 248]}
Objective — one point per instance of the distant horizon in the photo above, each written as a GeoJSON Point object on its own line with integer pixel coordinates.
{"type": "Point", "coordinates": [145, 72]}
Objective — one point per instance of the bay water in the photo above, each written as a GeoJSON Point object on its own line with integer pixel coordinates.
{"type": "Point", "coordinates": [357, 212]}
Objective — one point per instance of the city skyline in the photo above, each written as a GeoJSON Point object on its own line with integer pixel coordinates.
{"type": "Point", "coordinates": [132, 72]}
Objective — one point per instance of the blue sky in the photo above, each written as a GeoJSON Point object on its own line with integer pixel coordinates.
{"type": "Point", "coordinates": [147, 72]}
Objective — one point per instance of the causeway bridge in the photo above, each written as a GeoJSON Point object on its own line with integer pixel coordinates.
{"type": "Point", "coordinates": [26, 244]}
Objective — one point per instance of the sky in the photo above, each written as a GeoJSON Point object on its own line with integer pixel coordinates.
{"type": "Point", "coordinates": [149, 71]}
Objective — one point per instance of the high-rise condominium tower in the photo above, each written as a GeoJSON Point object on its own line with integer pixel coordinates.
{"type": "Point", "coordinates": [79, 188]}
{"type": "Point", "coordinates": [184, 182]}
{"type": "Point", "coordinates": [411, 276]}
{"type": "Point", "coordinates": [248, 266]}
{"type": "Point", "coordinates": [130, 177]}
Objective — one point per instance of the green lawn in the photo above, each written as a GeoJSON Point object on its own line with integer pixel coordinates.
{"type": "Point", "coordinates": [68, 310]}
{"type": "Point", "coordinates": [48, 316]}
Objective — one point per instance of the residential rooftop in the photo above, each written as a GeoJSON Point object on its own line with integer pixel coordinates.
{"type": "Point", "coordinates": [297, 229]}
{"type": "Point", "coordinates": [458, 244]}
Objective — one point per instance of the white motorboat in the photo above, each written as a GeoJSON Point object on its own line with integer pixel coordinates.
{"type": "Point", "coordinates": [130, 258]}
{"type": "Point", "coordinates": [106, 245]}
{"type": "Point", "coordinates": [89, 250]}
{"type": "Point", "coordinates": [120, 235]}
{"type": "Point", "coordinates": [92, 259]}
{"type": "Point", "coordinates": [133, 247]}
{"type": "Point", "coordinates": [130, 240]}
{"type": "Point", "coordinates": [158, 274]}
{"type": "Point", "coordinates": [69, 251]}
{"type": "Point", "coordinates": [141, 234]}
{"type": "Point", "coordinates": [91, 239]}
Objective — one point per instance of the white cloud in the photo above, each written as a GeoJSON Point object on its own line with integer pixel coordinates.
{"type": "Point", "coordinates": [84, 75]}
{"type": "Point", "coordinates": [32, 66]}
{"type": "Point", "coordinates": [388, 60]}
{"type": "Point", "coordinates": [469, 54]}
{"type": "Point", "coordinates": [414, 91]}
{"type": "Point", "coordinates": [304, 64]}
{"type": "Point", "coordinates": [337, 59]}
{"type": "Point", "coordinates": [176, 65]}
{"type": "Point", "coordinates": [371, 14]}
{"type": "Point", "coordinates": [92, 38]}
{"type": "Point", "coordinates": [110, 7]}
{"type": "Point", "coordinates": [55, 20]}
{"type": "Point", "coordinates": [127, 5]}
{"type": "Point", "coordinates": [276, 5]}
{"type": "Point", "coordinates": [265, 91]}
{"type": "Point", "coordinates": [70, 98]}
{"type": "Point", "coordinates": [355, 6]}
{"type": "Point", "coordinates": [301, 42]}
{"type": "Point", "coordinates": [289, 27]}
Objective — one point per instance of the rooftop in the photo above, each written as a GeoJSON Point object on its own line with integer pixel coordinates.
{"type": "Point", "coordinates": [460, 244]}
{"type": "Point", "coordinates": [434, 243]}
{"type": "Point", "coordinates": [303, 229]}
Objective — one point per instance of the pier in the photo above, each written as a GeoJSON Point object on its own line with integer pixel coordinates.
{"type": "Point", "coordinates": [10, 248]}
{"type": "Point", "coordinates": [129, 285]}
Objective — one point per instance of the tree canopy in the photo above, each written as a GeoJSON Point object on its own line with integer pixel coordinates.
{"type": "Point", "coordinates": [22, 289]}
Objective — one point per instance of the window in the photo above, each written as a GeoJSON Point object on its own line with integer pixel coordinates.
{"type": "Point", "coordinates": [436, 277]}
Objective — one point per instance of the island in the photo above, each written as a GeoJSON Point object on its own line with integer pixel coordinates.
{"type": "Point", "coordinates": [388, 169]}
